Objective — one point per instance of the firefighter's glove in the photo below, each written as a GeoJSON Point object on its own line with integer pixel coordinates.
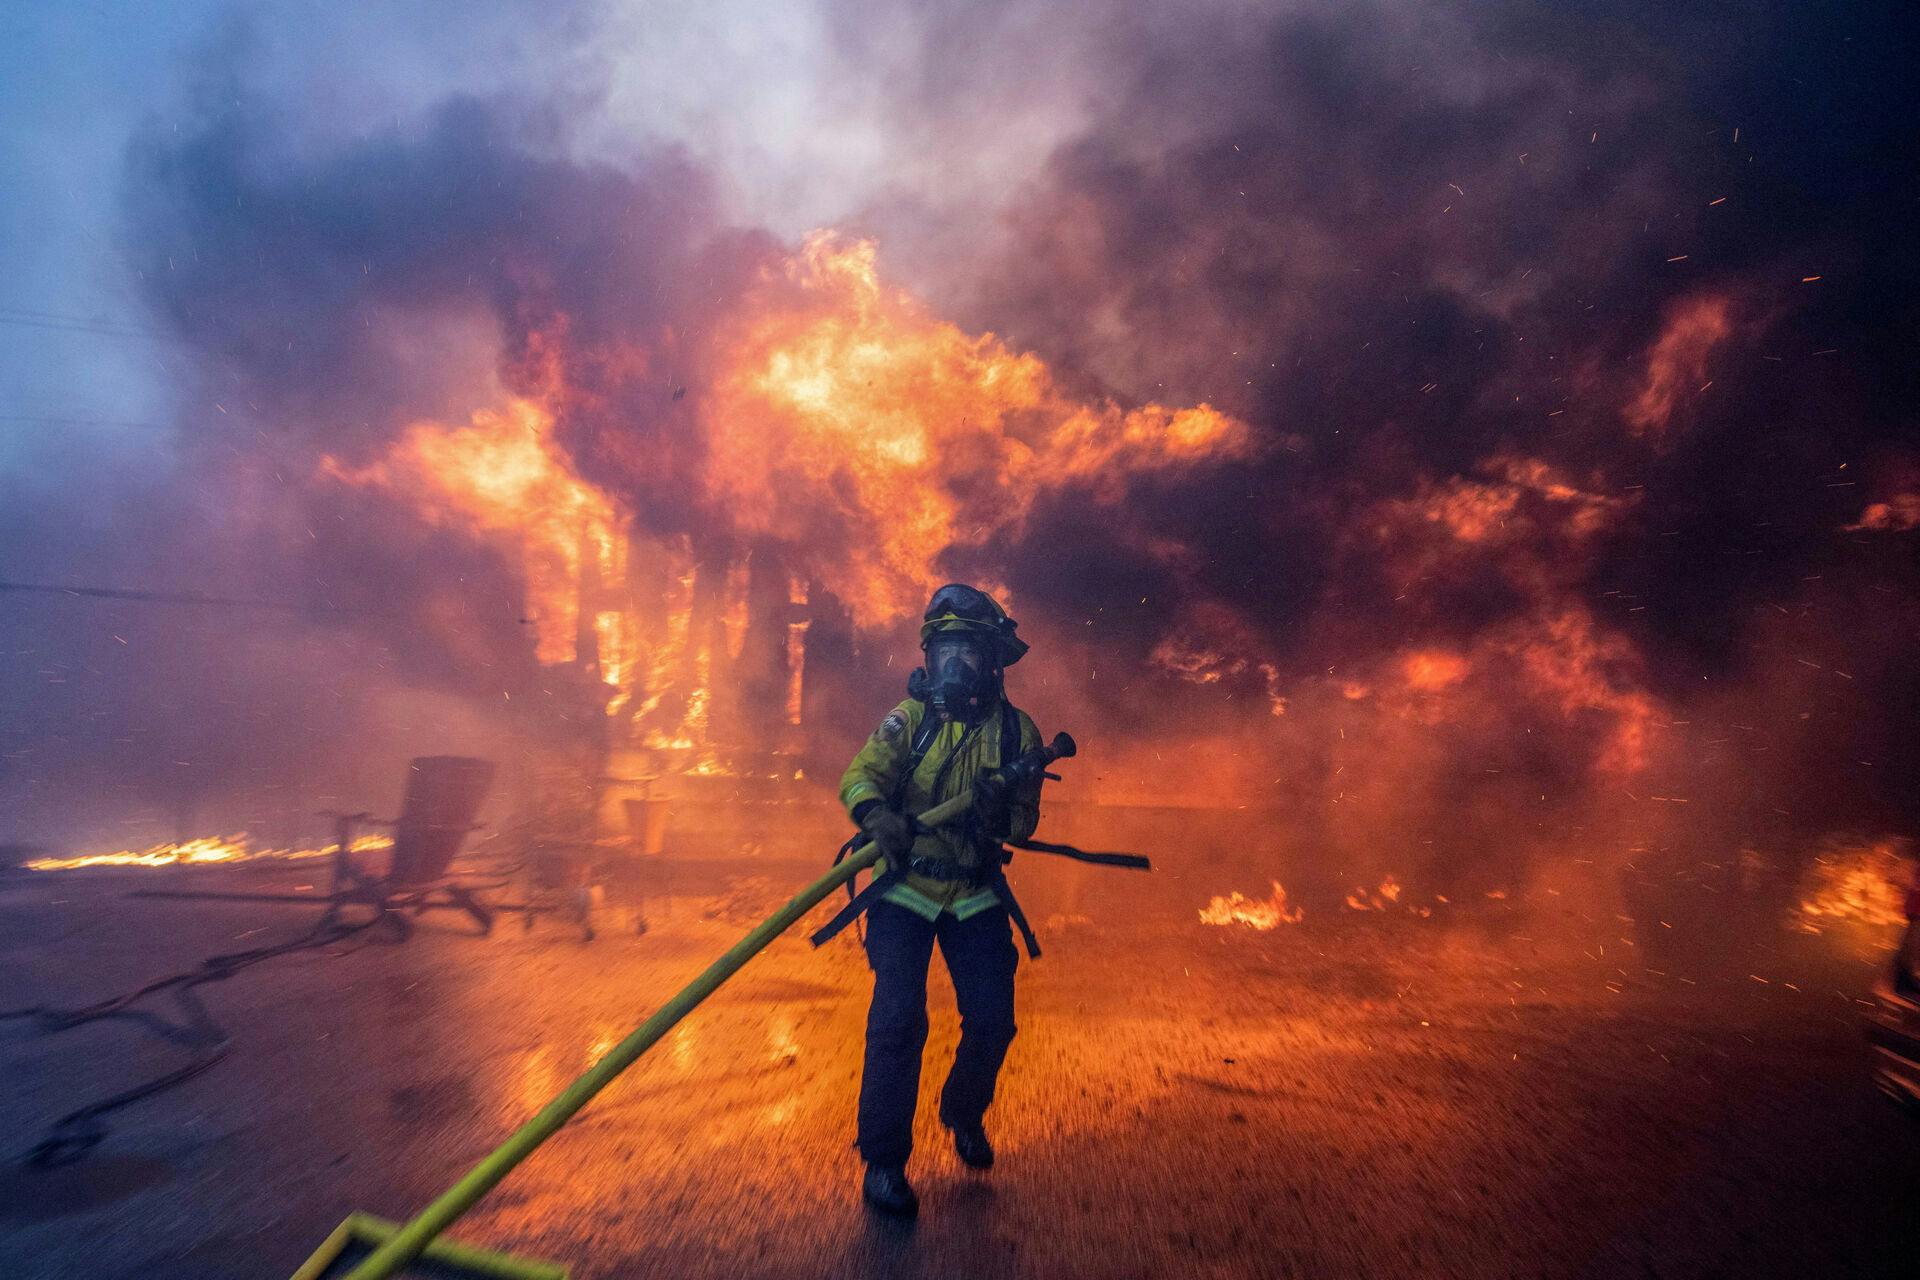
{"type": "Point", "coordinates": [990, 805]}
{"type": "Point", "coordinates": [888, 829]}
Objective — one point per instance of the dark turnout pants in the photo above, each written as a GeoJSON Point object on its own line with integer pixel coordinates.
{"type": "Point", "coordinates": [981, 958]}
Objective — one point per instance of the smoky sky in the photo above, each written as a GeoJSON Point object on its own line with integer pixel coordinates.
{"type": "Point", "coordinates": [1410, 241]}
{"type": "Point", "coordinates": [1410, 245]}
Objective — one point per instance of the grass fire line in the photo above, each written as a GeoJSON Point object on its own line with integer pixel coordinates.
{"type": "Point", "coordinates": [398, 1247]}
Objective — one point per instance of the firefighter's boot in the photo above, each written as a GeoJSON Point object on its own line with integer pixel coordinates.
{"type": "Point", "coordinates": [886, 1188]}
{"type": "Point", "coordinates": [971, 1145]}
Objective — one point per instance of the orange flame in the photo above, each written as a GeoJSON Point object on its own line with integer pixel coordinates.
{"type": "Point", "coordinates": [1432, 670]}
{"type": "Point", "coordinates": [502, 477]}
{"type": "Point", "coordinates": [1256, 913]}
{"type": "Point", "coordinates": [1897, 514]}
{"type": "Point", "coordinates": [846, 405]}
{"type": "Point", "coordinates": [1677, 363]}
{"type": "Point", "coordinates": [1387, 895]}
{"type": "Point", "coordinates": [1858, 885]}
{"type": "Point", "coordinates": [198, 852]}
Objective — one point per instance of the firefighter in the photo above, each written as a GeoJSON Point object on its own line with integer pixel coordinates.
{"type": "Point", "coordinates": [945, 886]}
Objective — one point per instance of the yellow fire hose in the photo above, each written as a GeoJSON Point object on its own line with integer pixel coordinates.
{"type": "Point", "coordinates": [400, 1247]}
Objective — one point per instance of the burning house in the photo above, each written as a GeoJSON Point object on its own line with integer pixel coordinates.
{"type": "Point", "coordinates": [677, 662]}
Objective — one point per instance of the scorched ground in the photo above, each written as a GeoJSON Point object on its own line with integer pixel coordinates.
{"type": "Point", "coordinates": [1353, 1093]}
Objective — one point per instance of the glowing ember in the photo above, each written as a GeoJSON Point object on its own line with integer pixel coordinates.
{"type": "Point", "coordinates": [206, 849]}
{"type": "Point", "coordinates": [1432, 670]}
{"type": "Point", "coordinates": [1255, 913]}
{"type": "Point", "coordinates": [1860, 885]}
{"type": "Point", "coordinates": [1898, 514]}
{"type": "Point", "coordinates": [1388, 898]}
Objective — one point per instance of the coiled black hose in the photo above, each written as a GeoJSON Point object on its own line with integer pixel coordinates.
{"type": "Point", "coordinates": [73, 1135]}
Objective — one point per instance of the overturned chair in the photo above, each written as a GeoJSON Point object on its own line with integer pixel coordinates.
{"type": "Point", "coordinates": [443, 797]}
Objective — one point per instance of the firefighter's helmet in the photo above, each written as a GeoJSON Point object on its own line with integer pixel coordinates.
{"type": "Point", "coordinates": [957, 607]}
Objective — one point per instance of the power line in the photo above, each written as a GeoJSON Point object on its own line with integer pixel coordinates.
{"type": "Point", "coordinates": [170, 597]}
{"type": "Point", "coordinates": [61, 317]}
{"type": "Point", "coordinates": [103, 330]}
{"type": "Point", "coordinates": [84, 422]}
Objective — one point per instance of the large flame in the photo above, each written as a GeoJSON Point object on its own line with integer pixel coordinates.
{"type": "Point", "coordinates": [846, 407]}
{"type": "Point", "coordinates": [846, 428]}
{"type": "Point", "coordinates": [846, 423]}
{"type": "Point", "coordinates": [502, 477]}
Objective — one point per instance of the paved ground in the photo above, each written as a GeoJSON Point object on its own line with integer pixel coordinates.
{"type": "Point", "coordinates": [1354, 1095]}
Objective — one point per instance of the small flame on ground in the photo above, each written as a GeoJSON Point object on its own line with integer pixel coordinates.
{"type": "Point", "coordinates": [1387, 895]}
{"type": "Point", "coordinates": [205, 849]}
{"type": "Point", "coordinates": [1387, 898]}
{"type": "Point", "coordinates": [1255, 913]}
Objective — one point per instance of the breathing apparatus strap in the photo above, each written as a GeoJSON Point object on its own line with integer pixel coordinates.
{"type": "Point", "coordinates": [861, 901]}
{"type": "Point", "coordinates": [922, 743]}
{"type": "Point", "coordinates": [1009, 732]}
{"type": "Point", "coordinates": [1009, 752]}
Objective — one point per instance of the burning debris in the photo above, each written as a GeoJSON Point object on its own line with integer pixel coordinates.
{"type": "Point", "coordinates": [1866, 885]}
{"type": "Point", "coordinates": [1276, 909]}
